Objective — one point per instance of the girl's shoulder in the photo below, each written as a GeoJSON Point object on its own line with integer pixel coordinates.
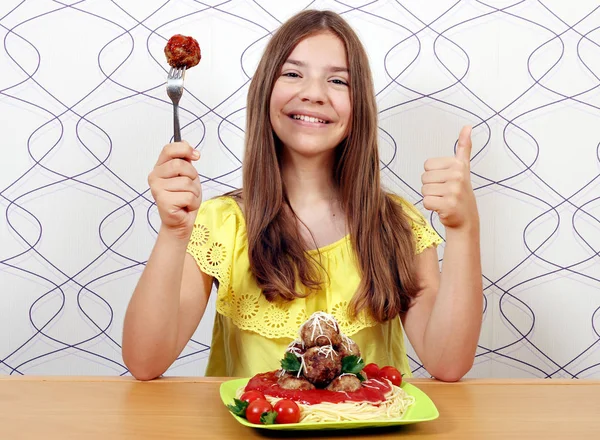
{"type": "Point", "coordinates": [409, 209]}
{"type": "Point", "coordinates": [424, 233]}
{"type": "Point", "coordinates": [227, 205]}
{"type": "Point", "coordinates": [219, 230]}
{"type": "Point", "coordinates": [222, 215]}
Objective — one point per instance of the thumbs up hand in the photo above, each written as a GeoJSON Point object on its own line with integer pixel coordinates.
{"type": "Point", "coordinates": [447, 186]}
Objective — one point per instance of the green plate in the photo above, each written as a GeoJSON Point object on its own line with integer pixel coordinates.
{"type": "Point", "coordinates": [422, 410]}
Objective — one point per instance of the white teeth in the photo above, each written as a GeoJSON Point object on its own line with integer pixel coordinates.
{"type": "Point", "coordinates": [308, 119]}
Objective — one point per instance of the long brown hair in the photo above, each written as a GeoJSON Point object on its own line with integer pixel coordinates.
{"type": "Point", "coordinates": [379, 229]}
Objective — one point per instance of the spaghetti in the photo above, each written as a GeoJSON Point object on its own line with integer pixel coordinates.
{"type": "Point", "coordinates": [396, 402]}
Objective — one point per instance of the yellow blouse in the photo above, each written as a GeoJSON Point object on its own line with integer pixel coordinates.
{"type": "Point", "coordinates": [250, 334]}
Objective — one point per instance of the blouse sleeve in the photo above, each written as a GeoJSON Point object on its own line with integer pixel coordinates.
{"type": "Point", "coordinates": [213, 240]}
{"type": "Point", "coordinates": [424, 234]}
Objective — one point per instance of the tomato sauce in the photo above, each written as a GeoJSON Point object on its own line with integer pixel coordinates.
{"type": "Point", "coordinates": [372, 391]}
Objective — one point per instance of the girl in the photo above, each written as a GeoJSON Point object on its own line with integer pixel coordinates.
{"type": "Point", "coordinates": [310, 230]}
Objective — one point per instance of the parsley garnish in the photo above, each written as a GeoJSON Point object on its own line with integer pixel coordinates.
{"type": "Point", "coordinates": [290, 363]}
{"type": "Point", "coordinates": [353, 365]}
{"type": "Point", "coordinates": [268, 418]}
{"type": "Point", "coordinates": [239, 409]}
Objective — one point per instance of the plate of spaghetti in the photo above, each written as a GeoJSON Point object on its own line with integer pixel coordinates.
{"type": "Point", "coordinates": [323, 383]}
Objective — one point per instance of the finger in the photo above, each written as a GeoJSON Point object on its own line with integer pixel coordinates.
{"type": "Point", "coordinates": [182, 184]}
{"type": "Point", "coordinates": [434, 189]}
{"type": "Point", "coordinates": [439, 163]}
{"type": "Point", "coordinates": [463, 149]}
{"type": "Point", "coordinates": [184, 200]}
{"type": "Point", "coordinates": [176, 168]}
{"type": "Point", "coordinates": [440, 176]}
{"type": "Point", "coordinates": [433, 203]}
{"type": "Point", "coordinates": [195, 205]}
{"type": "Point", "coordinates": [177, 150]}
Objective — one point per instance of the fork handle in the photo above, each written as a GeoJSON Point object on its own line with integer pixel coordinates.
{"type": "Point", "coordinates": [176, 129]}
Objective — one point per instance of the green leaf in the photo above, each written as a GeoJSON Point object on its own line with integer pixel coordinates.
{"type": "Point", "coordinates": [360, 377]}
{"type": "Point", "coordinates": [352, 364]}
{"type": "Point", "coordinates": [239, 408]}
{"type": "Point", "coordinates": [268, 418]}
{"type": "Point", "coordinates": [290, 363]}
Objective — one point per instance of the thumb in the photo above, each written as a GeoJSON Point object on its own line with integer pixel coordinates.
{"type": "Point", "coordinates": [463, 149]}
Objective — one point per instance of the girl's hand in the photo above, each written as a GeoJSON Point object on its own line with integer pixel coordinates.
{"type": "Point", "coordinates": [175, 186]}
{"type": "Point", "coordinates": [447, 186]}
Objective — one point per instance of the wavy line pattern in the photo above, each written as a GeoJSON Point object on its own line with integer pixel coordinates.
{"type": "Point", "coordinates": [85, 113]}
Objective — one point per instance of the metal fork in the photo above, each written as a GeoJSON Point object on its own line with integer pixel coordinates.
{"type": "Point", "coordinates": [175, 90]}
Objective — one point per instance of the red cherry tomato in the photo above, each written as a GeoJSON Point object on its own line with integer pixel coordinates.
{"type": "Point", "coordinates": [287, 411]}
{"type": "Point", "coordinates": [257, 408]}
{"type": "Point", "coordinates": [392, 374]}
{"type": "Point", "coordinates": [252, 395]}
{"type": "Point", "coordinates": [371, 370]}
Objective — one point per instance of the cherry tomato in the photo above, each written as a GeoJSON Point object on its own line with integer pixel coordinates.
{"type": "Point", "coordinates": [392, 374]}
{"type": "Point", "coordinates": [287, 411]}
{"type": "Point", "coordinates": [252, 395]}
{"type": "Point", "coordinates": [257, 408]}
{"type": "Point", "coordinates": [371, 370]}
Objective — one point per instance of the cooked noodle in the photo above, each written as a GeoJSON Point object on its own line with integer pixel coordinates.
{"type": "Point", "coordinates": [395, 405]}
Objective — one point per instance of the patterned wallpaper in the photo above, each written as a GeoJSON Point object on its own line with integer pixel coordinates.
{"type": "Point", "coordinates": [84, 115]}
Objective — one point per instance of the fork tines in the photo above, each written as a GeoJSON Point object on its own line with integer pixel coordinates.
{"type": "Point", "coordinates": [176, 73]}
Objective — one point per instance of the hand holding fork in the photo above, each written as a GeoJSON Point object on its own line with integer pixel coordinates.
{"type": "Point", "coordinates": [174, 182]}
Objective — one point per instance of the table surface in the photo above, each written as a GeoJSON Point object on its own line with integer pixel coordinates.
{"type": "Point", "coordinates": [58, 407]}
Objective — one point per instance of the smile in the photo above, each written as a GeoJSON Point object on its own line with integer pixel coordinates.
{"type": "Point", "coordinates": [308, 119]}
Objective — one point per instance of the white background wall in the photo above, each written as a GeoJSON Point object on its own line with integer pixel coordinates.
{"type": "Point", "coordinates": [84, 114]}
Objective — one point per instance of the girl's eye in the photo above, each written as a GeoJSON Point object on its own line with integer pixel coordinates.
{"type": "Point", "coordinates": [291, 75]}
{"type": "Point", "coordinates": [339, 82]}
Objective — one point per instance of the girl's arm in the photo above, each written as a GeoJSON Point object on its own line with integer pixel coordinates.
{"type": "Point", "coordinates": [165, 309]}
{"type": "Point", "coordinates": [444, 323]}
{"type": "Point", "coordinates": [171, 295]}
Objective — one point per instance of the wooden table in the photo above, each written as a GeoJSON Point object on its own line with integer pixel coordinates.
{"type": "Point", "coordinates": [190, 408]}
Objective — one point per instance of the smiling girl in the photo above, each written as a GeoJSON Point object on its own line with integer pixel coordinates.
{"type": "Point", "coordinates": [310, 230]}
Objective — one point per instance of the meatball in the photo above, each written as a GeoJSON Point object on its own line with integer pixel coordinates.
{"type": "Point", "coordinates": [321, 365]}
{"type": "Point", "coordinates": [182, 51]}
{"type": "Point", "coordinates": [289, 381]}
{"type": "Point", "coordinates": [345, 382]}
{"type": "Point", "coordinates": [348, 348]}
{"type": "Point", "coordinates": [319, 330]}
{"type": "Point", "coordinates": [296, 347]}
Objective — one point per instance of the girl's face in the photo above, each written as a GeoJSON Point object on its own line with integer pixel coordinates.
{"type": "Point", "coordinates": [310, 105]}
